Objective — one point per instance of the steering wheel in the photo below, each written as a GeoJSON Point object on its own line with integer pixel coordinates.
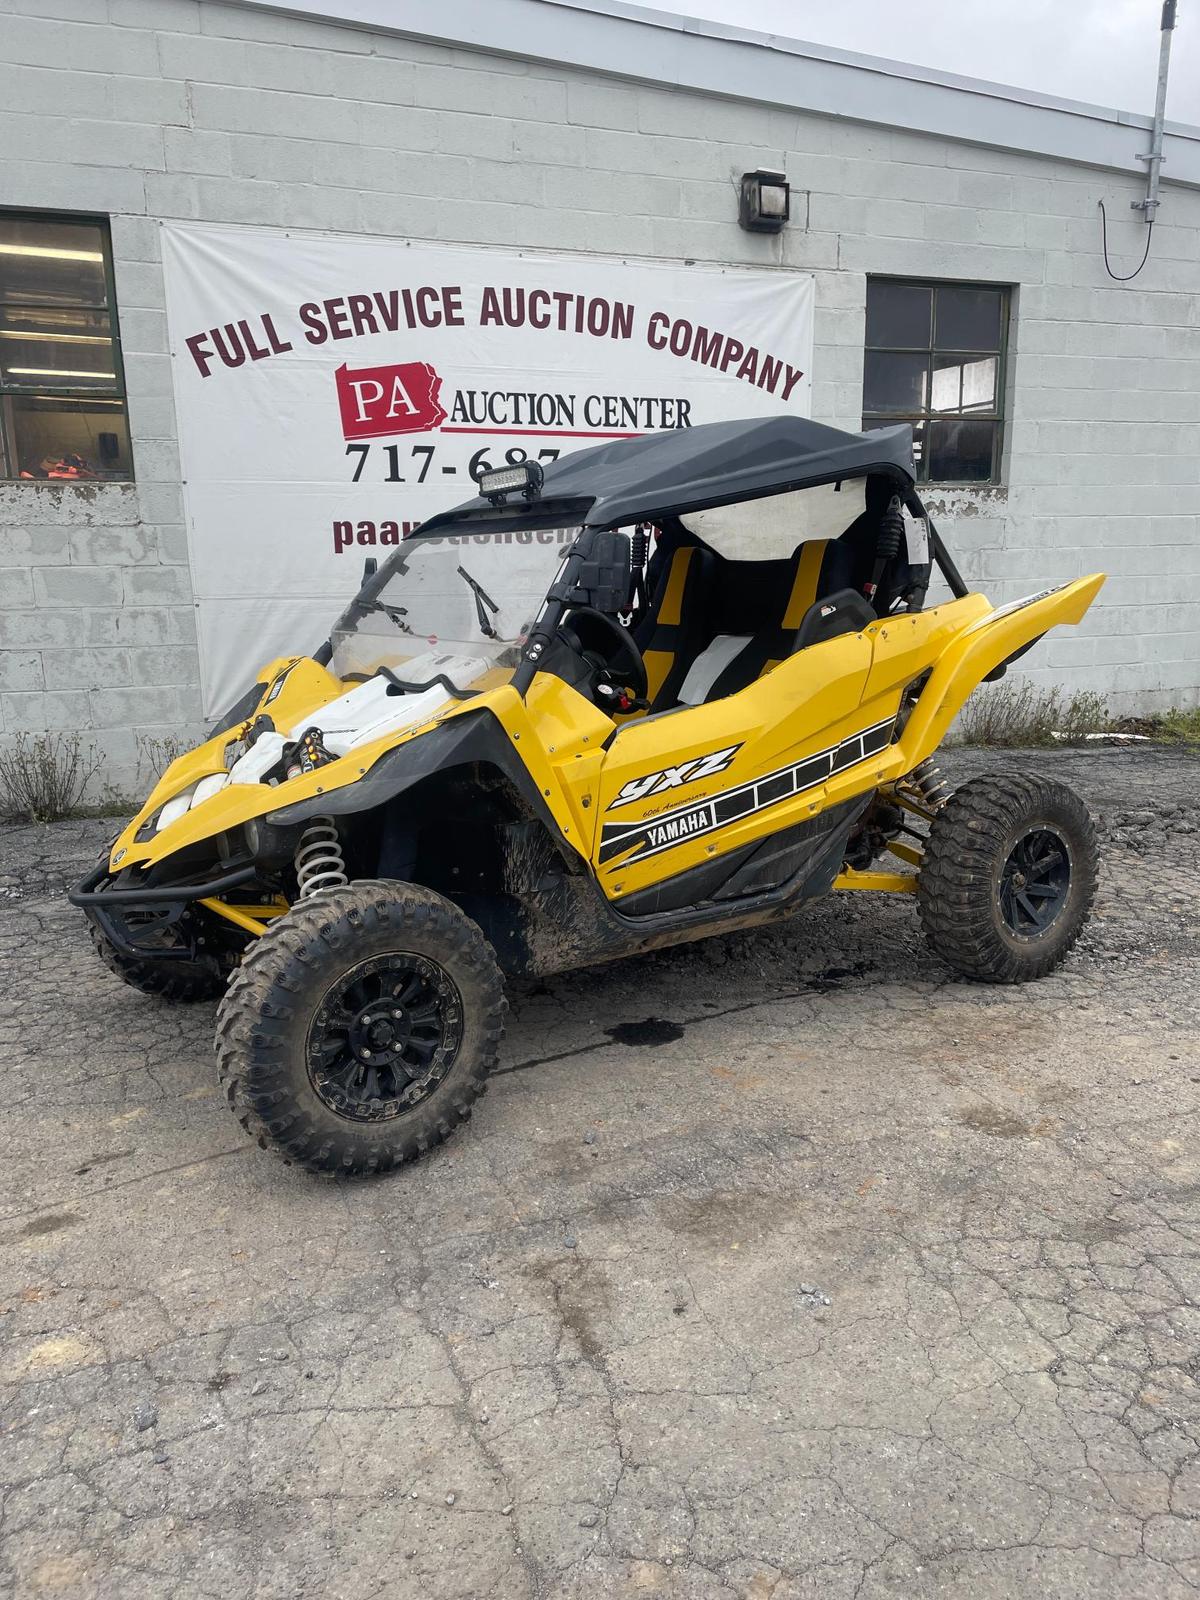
{"type": "Point", "coordinates": [608, 649]}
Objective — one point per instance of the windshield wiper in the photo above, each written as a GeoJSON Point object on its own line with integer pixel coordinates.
{"type": "Point", "coordinates": [394, 614]}
{"type": "Point", "coordinates": [482, 598]}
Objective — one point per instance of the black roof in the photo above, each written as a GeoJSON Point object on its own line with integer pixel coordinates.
{"type": "Point", "coordinates": [659, 475]}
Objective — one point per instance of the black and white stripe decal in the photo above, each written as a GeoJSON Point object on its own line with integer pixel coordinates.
{"type": "Point", "coordinates": [1019, 605]}
{"type": "Point", "coordinates": [705, 816]}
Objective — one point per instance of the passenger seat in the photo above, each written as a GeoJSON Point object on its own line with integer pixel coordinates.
{"type": "Point", "coordinates": [738, 653]}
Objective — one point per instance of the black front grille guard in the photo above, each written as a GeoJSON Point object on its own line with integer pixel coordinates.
{"type": "Point", "coordinates": [107, 908]}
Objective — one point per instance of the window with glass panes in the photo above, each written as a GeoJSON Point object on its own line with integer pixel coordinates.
{"type": "Point", "coordinates": [935, 358]}
{"type": "Point", "coordinates": [62, 390]}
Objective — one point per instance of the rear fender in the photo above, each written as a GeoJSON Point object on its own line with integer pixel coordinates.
{"type": "Point", "coordinates": [980, 648]}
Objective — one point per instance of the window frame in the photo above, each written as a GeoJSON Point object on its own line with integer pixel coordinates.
{"type": "Point", "coordinates": [998, 416]}
{"type": "Point", "coordinates": [9, 460]}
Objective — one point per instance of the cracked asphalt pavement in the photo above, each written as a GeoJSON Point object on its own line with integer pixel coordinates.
{"type": "Point", "coordinates": [776, 1267]}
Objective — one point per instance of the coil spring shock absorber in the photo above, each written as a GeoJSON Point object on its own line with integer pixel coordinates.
{"type": "Point", "coordinates": [887, 545]}
{"type": "Point", "coordinates": [639, 549]}
{"type": "Point", "coordinates": [319, 860]}
{"type": "Point", "coordinates": [926, 780]}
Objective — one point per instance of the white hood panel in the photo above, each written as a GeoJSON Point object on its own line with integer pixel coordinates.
{"type": "Point", "coordinates": [376, 708]}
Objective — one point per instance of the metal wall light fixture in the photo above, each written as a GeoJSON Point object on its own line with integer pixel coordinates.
{"type": "Point", "coordinates": [765, 202]}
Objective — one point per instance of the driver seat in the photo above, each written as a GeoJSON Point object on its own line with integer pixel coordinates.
{"type": "Point", "coordinates": [676, 627]}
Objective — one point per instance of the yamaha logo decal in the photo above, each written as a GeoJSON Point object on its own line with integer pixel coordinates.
{"type": "Point", "coordinates": [634, 841]}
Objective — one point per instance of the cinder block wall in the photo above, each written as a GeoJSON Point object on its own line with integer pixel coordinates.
{"type": "Point", "coordinates": [147, 109]}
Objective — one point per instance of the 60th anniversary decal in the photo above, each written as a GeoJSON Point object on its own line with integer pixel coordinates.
{"type": "Point", "coordinates": [634, 841]}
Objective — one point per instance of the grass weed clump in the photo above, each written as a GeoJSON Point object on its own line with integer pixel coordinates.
{"type": "Point", "coordinates": [1021, 715]}
{"type": "Point", "coordinates": [43, 776]}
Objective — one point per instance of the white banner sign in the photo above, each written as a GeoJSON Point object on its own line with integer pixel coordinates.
{"type": "Point", "coordinates": [333, 391]}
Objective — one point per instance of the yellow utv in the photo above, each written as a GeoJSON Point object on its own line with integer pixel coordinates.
{"type": "Point", "coordinates": [674, 685]}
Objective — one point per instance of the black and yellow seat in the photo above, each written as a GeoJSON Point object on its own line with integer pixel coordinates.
{"type": "Point", "coordinates": [758, 610]}
{"type": "Point", "coordinates": [677, 622]}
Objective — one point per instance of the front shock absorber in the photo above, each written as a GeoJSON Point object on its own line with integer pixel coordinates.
{"type": "Point", "coordinates": [319, 860]}
{"type": "Point", "coordinates": [929, 784]}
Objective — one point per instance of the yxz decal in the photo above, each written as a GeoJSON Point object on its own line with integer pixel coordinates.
{"type": "Point", "coordinates": [705, 816]}
{"type": "Point", "coordinates": [652, 783]}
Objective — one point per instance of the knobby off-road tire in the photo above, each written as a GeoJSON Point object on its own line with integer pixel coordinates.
{"type": "Point", "coordinates": [387, 967]}
{"type": "Point", "coordinates": [166, 980]}
{"type": "Point", "coordinates": [1008, 877]}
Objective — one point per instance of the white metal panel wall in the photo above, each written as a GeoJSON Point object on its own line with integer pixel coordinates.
{"type": "Point", "coordinates": [177, 109]}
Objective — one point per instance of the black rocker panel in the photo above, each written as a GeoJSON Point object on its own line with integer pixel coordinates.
{"type": "Point", "coordinates": [788, 856]}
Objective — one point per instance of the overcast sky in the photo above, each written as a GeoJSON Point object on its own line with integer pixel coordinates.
{"type": "Point", "coordinates": [1102, 51]}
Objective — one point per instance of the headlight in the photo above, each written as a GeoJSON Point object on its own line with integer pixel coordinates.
{"type": "Point", "coordinates": [195, 794]}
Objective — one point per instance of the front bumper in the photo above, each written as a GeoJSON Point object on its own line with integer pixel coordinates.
{"type": "Point", "coordinates": [156, 908]}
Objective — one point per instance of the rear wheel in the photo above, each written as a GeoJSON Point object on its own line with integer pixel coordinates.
{"type": "Point", "coordinates": [361, 1027]}
{"type": "Point", "coordinates": [1008, 877]}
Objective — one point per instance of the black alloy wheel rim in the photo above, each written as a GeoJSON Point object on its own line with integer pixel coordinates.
{"type": "Point", "coordinates": [384, 1037]}
{"type": "Point", "coordinates": [1035, 882]}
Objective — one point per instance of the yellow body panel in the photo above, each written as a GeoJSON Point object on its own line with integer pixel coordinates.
{"type": "Point", "coordinates": [803, 703]}
{"type": "Point", "coordinates": [966, 660]}
{"type": "Point", "coordinates": [306, 687]}
{"type": "Point", "coordinates": [553, 730]}
{"type": "Point", "coordinates": [585, 764]}
{"type": "Point", "coordinates": [558, 735]}
{"type": "Point", "coordinates": [905, 645]}
{"type": "Point", "coordinates": [811, 703]}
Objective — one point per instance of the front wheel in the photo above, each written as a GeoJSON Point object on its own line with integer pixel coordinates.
{"type": "Point", "coordinates": [180, 980]}
{"type": "Point", "coordinates": [1008, 877]}
{"type": "Point", "coordinates": [361, 1027]}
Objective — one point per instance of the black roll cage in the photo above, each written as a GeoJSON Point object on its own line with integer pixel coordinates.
{"type": "Point", "coordinates": [543, 514]}
{"type": "Point", "coordinates": [558, 598]}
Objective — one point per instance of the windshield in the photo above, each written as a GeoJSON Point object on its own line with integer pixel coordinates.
{"type": "Point", "coordinates": [465, 598]}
